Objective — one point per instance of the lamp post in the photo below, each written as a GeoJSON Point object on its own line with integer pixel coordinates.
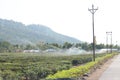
{"type": "Point", "coordinates": [93, 10]}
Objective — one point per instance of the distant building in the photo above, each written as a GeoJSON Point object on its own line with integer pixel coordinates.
{"type": "Point", "coordinates": [31, 51]}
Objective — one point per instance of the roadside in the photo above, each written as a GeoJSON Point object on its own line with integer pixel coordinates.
{"type": "Point", "coordinates": [113, 71]}
{"type": "Point", "coordinates": [98, 72]}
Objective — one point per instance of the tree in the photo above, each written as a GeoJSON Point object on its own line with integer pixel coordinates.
{"type": "Point", "coordinates": [67, 45]}
{"type": "Point", "coordinates": [100, 46]}
{"type": "Point", "coordinates": [56, 45]}
{"type": "Point", "coordinates": [5, 46]}
{"type": "Point", "coordinates": [77, 45]}
{"type": "Point", "coordinates": [29, 47]}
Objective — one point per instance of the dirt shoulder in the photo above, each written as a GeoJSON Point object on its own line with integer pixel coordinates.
{"type": "Point", "coordinates": [98, 72]}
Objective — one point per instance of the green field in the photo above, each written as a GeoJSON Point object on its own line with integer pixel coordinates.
{"type": "Point", "coordinates": [32, 66]}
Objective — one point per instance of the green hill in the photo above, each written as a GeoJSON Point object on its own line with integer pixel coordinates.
{"type": "Point", "coordinates": [18, 33]}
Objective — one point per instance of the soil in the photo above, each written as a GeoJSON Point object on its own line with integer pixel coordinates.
{"type": "Point", "coordinates": [98, 72]}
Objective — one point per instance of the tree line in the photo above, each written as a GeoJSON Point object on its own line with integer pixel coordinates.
{"type": "Point", "coordinates": [8, 47]}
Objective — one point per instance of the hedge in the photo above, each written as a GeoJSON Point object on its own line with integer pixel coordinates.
{"type": "Point", "coordinates": [79, 71]}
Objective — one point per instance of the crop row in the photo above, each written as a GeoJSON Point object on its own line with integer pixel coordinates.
{"type": "Point", "coordinates": [17, 66]}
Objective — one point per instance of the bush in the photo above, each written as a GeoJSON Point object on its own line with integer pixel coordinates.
{"type": "Point", "coordinates": [75, 62]}
{"type": "Point", "coordinates": [81, 61]}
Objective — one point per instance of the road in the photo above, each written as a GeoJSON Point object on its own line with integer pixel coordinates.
{"type": "Point", "coordinates": [113, 71]}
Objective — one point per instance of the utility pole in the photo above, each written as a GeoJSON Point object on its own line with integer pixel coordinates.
{"type": "Point", "coordinates": [93, 10]}
{"type": "Point", "coordinates": [107, 41]}
{"type": "Point", "coordinates": [109, 33]}
{"type": "Point", "coordinates": [116, 46]}
{"type": "Point", "coordinates": [111, 42]}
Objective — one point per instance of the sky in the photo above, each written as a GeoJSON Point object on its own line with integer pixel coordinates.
{"type": "Point", "coordinates": [68, 17]}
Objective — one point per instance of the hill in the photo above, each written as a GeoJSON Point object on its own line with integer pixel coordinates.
{"type": "Point", "coordinates": [18, 33]}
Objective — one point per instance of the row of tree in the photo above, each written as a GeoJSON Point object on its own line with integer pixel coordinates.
{"type": "Point", "coordinates": [8, 47]}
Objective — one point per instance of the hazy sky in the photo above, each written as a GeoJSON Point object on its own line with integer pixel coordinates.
{"type": "Point", "coordinates": [68, 17]}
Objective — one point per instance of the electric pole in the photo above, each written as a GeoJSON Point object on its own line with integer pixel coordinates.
{"type": "Point", "coordinates": [109, 33]}
{"type": "Point", "coordinates": [111, 42]}
{"type": "Point", "coordinates": [107, 41]}
{"type": "Point", "coordinates": [93, 10]}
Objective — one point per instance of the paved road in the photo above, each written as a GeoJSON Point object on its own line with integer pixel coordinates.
{"type": "Point", "coordinates": [113, 71]}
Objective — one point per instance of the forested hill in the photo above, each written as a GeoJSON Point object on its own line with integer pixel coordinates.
{"type": "Point", "coordinates": [18, 33]}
